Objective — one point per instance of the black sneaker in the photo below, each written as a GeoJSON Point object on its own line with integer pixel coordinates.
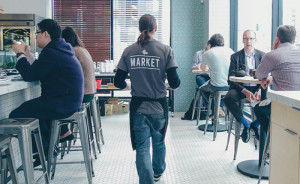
{"type": "Point", "coordinates": [245, 135]}
{"type": "Point", "coordinates": [255, 130]}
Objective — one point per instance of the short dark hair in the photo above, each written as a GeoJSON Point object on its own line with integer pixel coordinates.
{"type": "Point", "coordinates": [71, 37]}
{"type": "Point", "coordinates": [216, 40]}
{"type": "Point", "coordinates": [51, 26]}
{"type": "Point", "coordinates": [286, 33]}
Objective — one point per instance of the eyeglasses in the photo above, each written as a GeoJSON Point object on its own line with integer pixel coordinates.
{"type": "Point", "coordinates": [251, 39]}
{"type": "Point", "coordinates": [36, 33]}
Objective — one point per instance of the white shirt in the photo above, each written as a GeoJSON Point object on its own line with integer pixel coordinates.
{"type": "Point", "coordinates": [218, 60]}
{"type": "Point", "coordinates": [250, 64]}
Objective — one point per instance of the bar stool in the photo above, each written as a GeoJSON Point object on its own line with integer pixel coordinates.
{"type": "Point", "coordinates": [23, 128]}
{"type": "Point", "coordinates": [196, 98]}
{"type": "Point", "coordinates": [237, 128]}
{"type": "Point", "coordinates": [217, 101]}
{"type": "Point", "coordinates": [97, 121]}
{"type": "Point", "coordinates": [264, 156]}
{"type": "Point", "coordinates": [7, 160]}
{"type": "Point", "coordinates": [81, 120]}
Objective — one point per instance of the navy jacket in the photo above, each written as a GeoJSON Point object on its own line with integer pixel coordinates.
{"type": "Point", "coordinates": [61, 78]}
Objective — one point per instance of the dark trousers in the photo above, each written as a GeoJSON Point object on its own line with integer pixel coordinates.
{"type": "Point", "coordinates": [263, 115]}
{"type": "Point", "coordinates": [86, 98]}
{"type": "Point", "coordinates": [37, 108]}
{"type": "Point", "coordinates": [232, 99]}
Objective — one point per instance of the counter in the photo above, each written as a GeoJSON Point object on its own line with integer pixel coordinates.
{"type": "Point", "coordinates": [285, 137]}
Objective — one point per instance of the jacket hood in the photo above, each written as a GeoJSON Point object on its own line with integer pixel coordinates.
{"type": "Point", "coordinates": [61, 45]}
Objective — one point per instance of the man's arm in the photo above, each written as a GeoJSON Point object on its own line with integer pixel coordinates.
{"type": "Point", "coordinates": [42, 67]}
{"type": "Point", "coordinates": [196, 62]}
{"type": "Point", "coordinates": [173, 78]}
{"type": "Point", "coordinates": [120, 77]}
{"type": "Point", "coordinates": [265, 67]}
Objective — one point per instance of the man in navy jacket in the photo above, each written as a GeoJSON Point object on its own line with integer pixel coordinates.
{"type": "Point", "coordinates": [59, 73]}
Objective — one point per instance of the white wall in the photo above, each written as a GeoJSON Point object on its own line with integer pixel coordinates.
{"type": "Point", "coordinates": [39, 7]}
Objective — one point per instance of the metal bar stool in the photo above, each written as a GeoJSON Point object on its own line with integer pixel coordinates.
{"type": "Point", "coordinates": [81, 120]}
{"type": "Point", "coordinates": [264, 157]}
{"type": "Point", "coordinates": [237, 129]}
{"type": "Point", "coordinates": [217, 101]}
{"type": "Point", "coordinates": [196, 98]}
{"type": "Point", "coordinates": [7, 160]}
{"type": "Point", "coordinates": [92, 138]}
{"type": "Point", "coordinates": [23, 128]}
{"type": "Point", "coordinates": [95, 108]}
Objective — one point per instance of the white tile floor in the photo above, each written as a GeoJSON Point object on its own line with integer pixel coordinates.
{"type": "Point", "coordinates": [191, 157]}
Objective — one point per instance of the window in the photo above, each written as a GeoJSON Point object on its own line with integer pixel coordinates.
{"type": "Point", "coordinates": [219, 19]}
{"type": "Point", "coordinates": [291, 16]}
{"type": "Point", "coordinates": [126, 14]}
{"type": "Point", "coordinates": [91, 20]}
{"type": "Point", "coordinates": [255, 15]}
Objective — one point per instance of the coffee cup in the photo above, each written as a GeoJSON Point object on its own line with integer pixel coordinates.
{"type": "Point", "coordinates": [252, 73]}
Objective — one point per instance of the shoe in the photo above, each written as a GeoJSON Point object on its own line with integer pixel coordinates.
{"type": "Point", "coordinates": [68, 138]}
{"type": "Point", "coordinates": [37, 162]}
{"type": "Point", "coordinates": [255, 130]}
{"type": "Point", "coordinates": [157, 177]}
{"type": "Point", "coordinates": [245, 135]}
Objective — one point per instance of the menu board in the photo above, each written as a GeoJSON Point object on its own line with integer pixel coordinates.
{"type": "Point", "coordinates": [18, 34]}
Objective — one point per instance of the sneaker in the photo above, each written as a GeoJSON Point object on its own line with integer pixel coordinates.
{"type": "Point", "coordinates": [157, 177]}
{"type": "Point", "coordinates": [245, 135]}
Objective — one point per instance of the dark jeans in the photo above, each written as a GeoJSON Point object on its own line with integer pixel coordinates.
{"type": "Point", "coordinates": [201, 79]}
{"type": "Point", "coordinates": [86, 98]}
{"type": "Point", "coordinates": [232, 99]}
{"type": "Point", "coordinates": [263, 115]}
{"type": "Point", "coordinates": [206, 89]}
{"type": "Point", "coordinates": [147, 126]}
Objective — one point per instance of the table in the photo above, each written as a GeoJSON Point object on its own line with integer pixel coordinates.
{"type": "Point", "coordinates": [252, 167]}
{"type": "Point", "coordinates": [111, 76]}
{"type": "Point", "coordinates": [200, 71]}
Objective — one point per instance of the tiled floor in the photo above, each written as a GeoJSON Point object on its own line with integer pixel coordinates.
{"type": "Point", "coordinates": [192, 157]}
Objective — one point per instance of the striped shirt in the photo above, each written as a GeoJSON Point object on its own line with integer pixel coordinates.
{"type": "Point", "coordinates": [284, 66]}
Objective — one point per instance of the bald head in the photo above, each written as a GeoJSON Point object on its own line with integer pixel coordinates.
{"type": "Point", "coordinates": [249, 40]}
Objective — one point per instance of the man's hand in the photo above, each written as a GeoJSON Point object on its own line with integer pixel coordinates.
{"type": "Point", "coordinates": [196, 67]}
{"type": "Point", "coordinates": [265, 82]}
{"type": "Point", "coordinates": [258, 95]}
{"type": "Point", "coordinates": [249, 95]}
{"type": "Point", "coordinates": [18, 46]}
{"type": "Point", "coordinates": [28, 54]}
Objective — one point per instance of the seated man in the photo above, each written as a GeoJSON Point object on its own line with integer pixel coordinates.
{"type": "Point", "coordinates": [217, 59]}
{"type": "Point", "coordinates": [284, 65]}
{"type": "Point", "coordinates": [200, 78]}
{"type": "Point", "coordinates": [59, 73]}
{"type": "Point", "coordinates": [245, 59]}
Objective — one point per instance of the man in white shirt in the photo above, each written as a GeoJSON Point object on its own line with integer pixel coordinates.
{"type": "Point", "coordinates": [217, 59]}
{"type": "Point", "coordinates": [245, 59]}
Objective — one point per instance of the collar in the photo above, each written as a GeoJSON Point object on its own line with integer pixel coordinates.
{"type": "Point", "coordinates": [286, 44]}
{"type": "Point", "coordinates": [252, 55]}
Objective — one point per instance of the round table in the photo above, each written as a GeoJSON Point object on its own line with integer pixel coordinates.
{"type": "Point", "coordinates": [251, 168]}
{"type": "Point", "coordinates": [200, 71]}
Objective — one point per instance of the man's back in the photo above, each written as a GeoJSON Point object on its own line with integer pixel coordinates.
{"type": "Point", "coordinates": [284, 65]}
{"type": "Point", "coordinates": [218, 59]}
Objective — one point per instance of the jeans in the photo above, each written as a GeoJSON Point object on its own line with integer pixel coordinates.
{"type": "Point", "coordinates": [146, 126]}
{"type": "Point", "coordinates": [201, 79]}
